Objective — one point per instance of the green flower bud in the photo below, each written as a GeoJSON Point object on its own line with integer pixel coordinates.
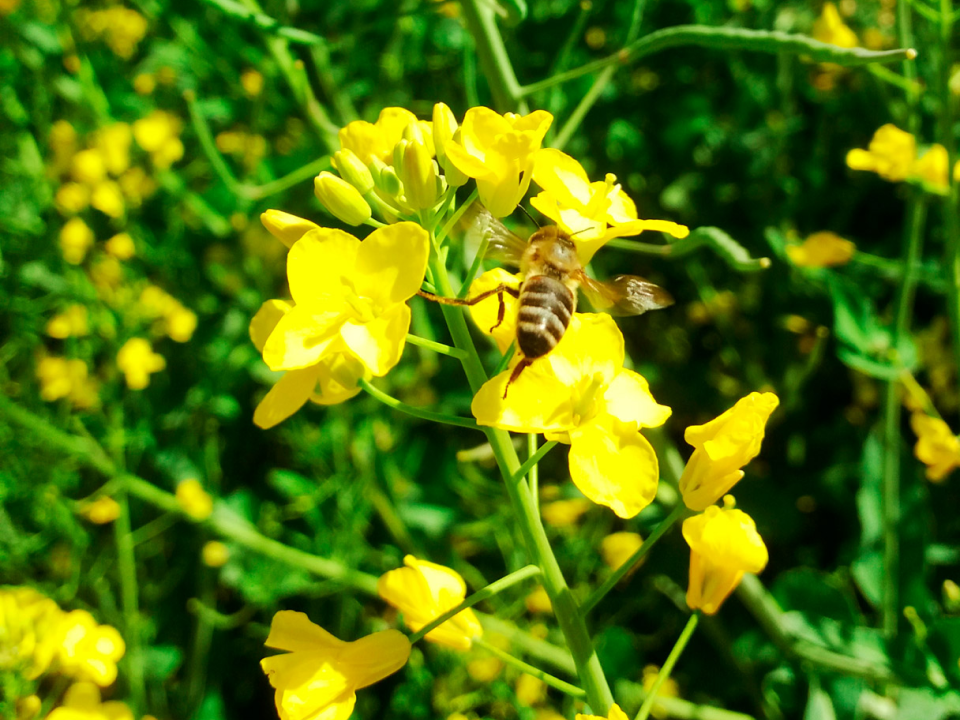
{"type": "Point", "coordinates": [353, 170]}
{"type": "Point", "coordinates": [285, 227]}
{"type": "Point", "coordinates": [390, 182]}
{"type": "Point", "coordinates": [341, 199]}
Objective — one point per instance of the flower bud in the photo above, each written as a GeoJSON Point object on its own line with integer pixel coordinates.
{"type": "Point", "coordinates": [386, 178]}
{"type": "Point", "coordinates": [341, 199]}
{"type": "Point", "coordinates": [419, 176]}
{"type": "Point", "coordinates": [454, 176]}
{"type": "Point", "coordinates": [353, 170]}
{"type": "Point", "coordinates": [444, 126]}
{"type": "Point", "coordinates": [285, 227]}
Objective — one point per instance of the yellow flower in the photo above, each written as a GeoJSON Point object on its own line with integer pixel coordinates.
{"type": "Point", "coordinates": [285, 227]}
{"type": "Point", "coordinates": [144, 83]}
{"type": "Point", "coordinates": [88, 167]}
{"type": "Point", "coordinates": [593, 213]}
{"type": "Point", "coordinates": [28, 707]}
{"type": "Point", "coordinates": [89, 651]}
{"type": "Point", "coordinates": [498, 152]}
{"type": "Point", "coordinates": [214, 554]}
{"type": "Point", "coordinates": [72, 197]}
{"type": "Point", "coordinates": [423, 591]}
{"type": "Point", "coordinates": [723, 446]}
{"type": "Point", "coordinates": [565, 513]}
{"type": "Point", "coordinates": [108, 198]}
{"type": "Point", "coordinates": [113, 143]}
{"type": "Point", "coordinates": [159, 135]}
{"type": "Point", "coordinates": [155, 302]}
{"type": "Point", "coordinates": [193, 499]}
{"type": "Point", "coordinates": [332, 380]}
{"type": "Point", "coordinates": [75, 239]}
{"type": "Point", "coordinates": [82, 702]}
{"type": "Point", "coordinates": [180, 323]}
{"type": "Point", "coordinates": [72, 322]}
{"type": "Point", "coordinates": [937, 447]}
{"type": "Point", "coordinates": [891, 154]}
{"type": "Point", "coordinates": [615, 714]}
{"type": "Point", "coordinates": [933, 169]}
{"type": "Point", "coordinates": [121, 246]}
{"type": "Point", "coordinates": [377, 140]}
{"type": "Point", "coordinates": [29, 631]}
{"type": "Point", "coordinates": [581, 394]}
{"type": "Point", "coordinates": [485, 669]}
{"type": "Point", "coordinates": [822, 249]}
{"type": "Point", "coordinates": [103, 510]}
{"type": "Point", "coordinates": [319, 677]}
{"type": "Point", "coordinates": [444, 130]}
{"type": "Point", "coordinates": [252, 82]}
{"type": "Point", "coordinates": [350, 291]}
{"type": "Point", "coordinates": [619, 547]}
{"type": "Point", "coordinates": [485, 313]}
{"type": "Point", "coordinates": [62, 378]}
{"type": "Point", "coordinates": [530, 690]}
{"type": "Point", "coordinates": [830, 28]}
{"type": "Point", "coordinates": [137, 361]}
{"type": "Point", "coordinates": [669, 688]}
{"type": "Point", "coordinates": [724, 544]}
{"type": "Point", "coordinates": [538, 601]}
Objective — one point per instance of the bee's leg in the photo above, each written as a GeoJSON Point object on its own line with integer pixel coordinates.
{"type": "Point", "coordinates": [519, 368]}
{"type": "Point", "coordinates": [502, 310]}
{"type": "Point", "coordinates": [498, 291]}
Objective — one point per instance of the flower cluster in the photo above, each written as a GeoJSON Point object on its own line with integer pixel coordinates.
{"type": "Point", "coordinates": [892, 154]}
{"type": "Point", "coordinates": [937, 447]}
{"type": "Point", "coordinates": [724, 543]}
{"type": "Point", "coordinates": [820, 250]}
{"type": "Point", "coordinates": [121, 28]}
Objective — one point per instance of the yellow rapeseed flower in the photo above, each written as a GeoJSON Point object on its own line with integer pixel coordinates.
{"type": "Point", "coordinates": [107, 197]}
{"type": "Point", "coordinates": [89, 651]}
{"type": "Point", "coordinates": [88, 167]}
{"type": "Point", "coordinates": [193, 499]}
{"type": "Point", "coordinates": [72, 322]}
{"type": "Point", "coordinates": [822, 249]}
{"type": "Point", "coordinates": [332, 380]}
{"type": "Point", "coordinates": [214, 554]}
{"type": "Point", "coordinates": [72, 197]}
{"type": "Point", "coordinates": [616, 548]}
{"type": "Point", "coordinates": [530, 690]}
{"type": "Point", "coordinates": [352, 291]}
{"type": "Point", "coordinates": [180, 323]}
{"type": "Point", "coordinates": [81, 701]}
{"type": "Point", "coordinates": [285, 227]}
{"type": "Point", "coordinates": [937, 447]}
{"type": "Point", "coordinates": [62, 378]}
{"type": "Point", "coordinates": [891, 154]}
{"type": "Point", "coordinates": [581, 394]}
{"type": "Point", "coordinates": [29, 631]}
{"type": "Point", "coordinates": [486, 313]}
{"type": "Point", "coordinates": [615, 714]}
{"type": "Point", "coordinates": [75, 240]}
{"type": "Point", "coordinates": [423, 591]}
{"type": "Point", "coordinates": [137, 361]}
{"type": "Point", "coordinates": [724, 544]}
{"type": "Point", "coordinates": [593, 213]}
{"type": "Point", "coordinates": [830, 28]}
{"type": "Point", "coordinates": [485, 669]}
{"type": "Point", "coordinates": [723, 446]}
{"type": "Point", "coordinates": [319, 677]}
{"type": "Point", "coordinates": [252, 82]}
{"type": "Point", "coordinates": [103, 510]}
{"type": "Point", "coordinates": [933, 169]}
{"type": "Point", "coordinates": [668, 688]}
{"type": "Point", "coordinates": [113, 143]}
{"type": "Point", "coordinates": [538, 601]}
{"type": "Point", "coordinates": [565, 513]}
{"type": "Point", "coordinates": [121, 246]}
{"type": "Point", "coordinates": [159, 134]}
{"type": "Point", "coordinates": [498, 152]}
{"type": "Point", "coordinates": [377, 140]}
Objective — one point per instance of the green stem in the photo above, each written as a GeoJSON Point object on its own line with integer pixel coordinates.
{"type": "Point", "coordinates": [267, 23]}
{"type": "Point", "coordinates": [127, 567]}
{"type": "Point", "coordinates": [533, 474]}
{"type": "Point", "coordinates": [550, 680]}
{"type": "Point", "coordinates": [494, 60]}
{"type": "Point", "coordinates": [392, 402]}
{"type": "Point", "coordinates": [668, 666]}
{"type": "Point", "coordinates": [538, 546]}
{"type": "Point", "coordinates": [484, 593]}
{"type": "Point", "coordinates": [726, 38]}
{"type": "Point", "coordinates": [531, 464]}
{"type": "Point", "coordinates": [448, 226]}
{"type": "Point", "coordinates": [435, 346]}
{"type": "Point", "coordinates": [601, 592]}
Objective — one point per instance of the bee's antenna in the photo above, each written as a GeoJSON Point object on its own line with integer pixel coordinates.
{"type": "Point", "coordinates": [532, 219]}
{"type": "Point", "coordinates": [579, 231]}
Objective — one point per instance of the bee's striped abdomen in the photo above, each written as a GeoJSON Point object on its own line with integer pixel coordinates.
{"type": "Point", "coordinates": [546, 305]}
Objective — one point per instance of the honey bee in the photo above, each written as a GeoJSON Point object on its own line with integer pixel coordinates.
{"type": "Point", "coordinates": [552, 274]}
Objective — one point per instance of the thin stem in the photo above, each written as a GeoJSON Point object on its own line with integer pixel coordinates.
{"type": "Point", "coordinates": [497, 68]}
{"type": "Point", "coordinates": [484, 593]}
{"type": "Point", "coordinates": [668, 666]}
{"type": "Point", "coordinates": [550, 680]}
{"type": "Point", "coordinates": [611, 582]}
{"type": "Point", "coordinates": [127, 567]}
{"type": "Point", "coordinates": [267, 23]}
{"type": "Point", "coordinates": [448, 226]}
{"type": "Point", "coordinates": [726, 38]}
{"type": "Point", "coordinates": [533, 474]}
{"type": "Point", "coordinates": [392, 402]}
{"type": "Point", "coordinates": [435, 346]}
{"type": "Point", "coordinates": [532, 461]}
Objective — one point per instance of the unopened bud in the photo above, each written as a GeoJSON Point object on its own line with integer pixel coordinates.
{"type": "Point", "coordinates": [285, 227]}
{"type": "Point", "coordinates": [353, 170]}
{"type": "Point", "coordinates": [454, 176]}
{"type": "Point", "coordinates": [444, 126]}
{"type": "Point", "coordinates": [390, 181]}
{"type": "Point", "coordinates": [341, 199]}
{"type": "Point", "coordinates": [419, 176]}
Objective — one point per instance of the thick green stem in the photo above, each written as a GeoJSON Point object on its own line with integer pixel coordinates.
{"type": "Point", "coordinates": [127, 567]}
{"type": "Point", "coordinates": [668, 667]}
{"type": "Point", "coordinates": [497, 68]}
{"type": "Point", "coordinates": [488, 592]}
{"type": "Point", "coordinates": [538, 546]}
{"type": "Point", "coordinates": [601, 592]}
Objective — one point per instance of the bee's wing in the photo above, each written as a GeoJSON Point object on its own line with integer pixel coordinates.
{"type": "Point", "coordinates": [502, 243]}
{"type": "Point", "coordinates": [624, 295]}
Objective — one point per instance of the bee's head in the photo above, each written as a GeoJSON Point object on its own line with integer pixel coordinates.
{"type": "Point", "coordinates": [555, 247]}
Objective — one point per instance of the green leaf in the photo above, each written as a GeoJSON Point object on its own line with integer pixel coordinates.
{"type": "Point", "coordinates": [161, 661]}
{"type": "Point", "coordinates": [819, 705]}
{"type": "Point", "coordinates": [290, 484]}
{"type": "Point", "coordinates": [868, 574]}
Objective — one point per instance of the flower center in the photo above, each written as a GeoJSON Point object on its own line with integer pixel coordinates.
{"type": "Point", "coordinates": [584, 407]}
{"type": "Point", "coordinates": [361, 306]}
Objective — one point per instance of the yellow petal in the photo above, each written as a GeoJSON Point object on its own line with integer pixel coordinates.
{"type": "Point", "coordinates": [266, 320]}
{"type": "Point", "coordinates": [614, 465]}
{"type": "Point", "coordinates": [629, 400]}
{"type": "Point", "coordinates": [374, 657]}
{"type": "Point", "coordinates": [591, 346]}
{"type": "Point", "coordinates": [485, 312]}
{"type": "Point", "coordinates": [727, 537]}
{"type": "Point", "coordinates": [500, 194]}
{"type": "Point", "coordinates": [391, 262]}
{"type": "Point", "coordinates": [379, 343]}
{"type": "Point", "coordinates": [561, 176]}
{"type": "Point", "coordinates": [307, 683]}
{"type": "Point", "coordinates": [320, 263]}
{"type": "Point", "coordinates": [288, 395]}
{"type": "Point", "coordinates": [463, 161]}
{"type": "Point", "coordinates": [536, 402]}
{"type": "Point", "coordinates": [338, 378]}
{"type": "Point", "coordinates": [302, 336]}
